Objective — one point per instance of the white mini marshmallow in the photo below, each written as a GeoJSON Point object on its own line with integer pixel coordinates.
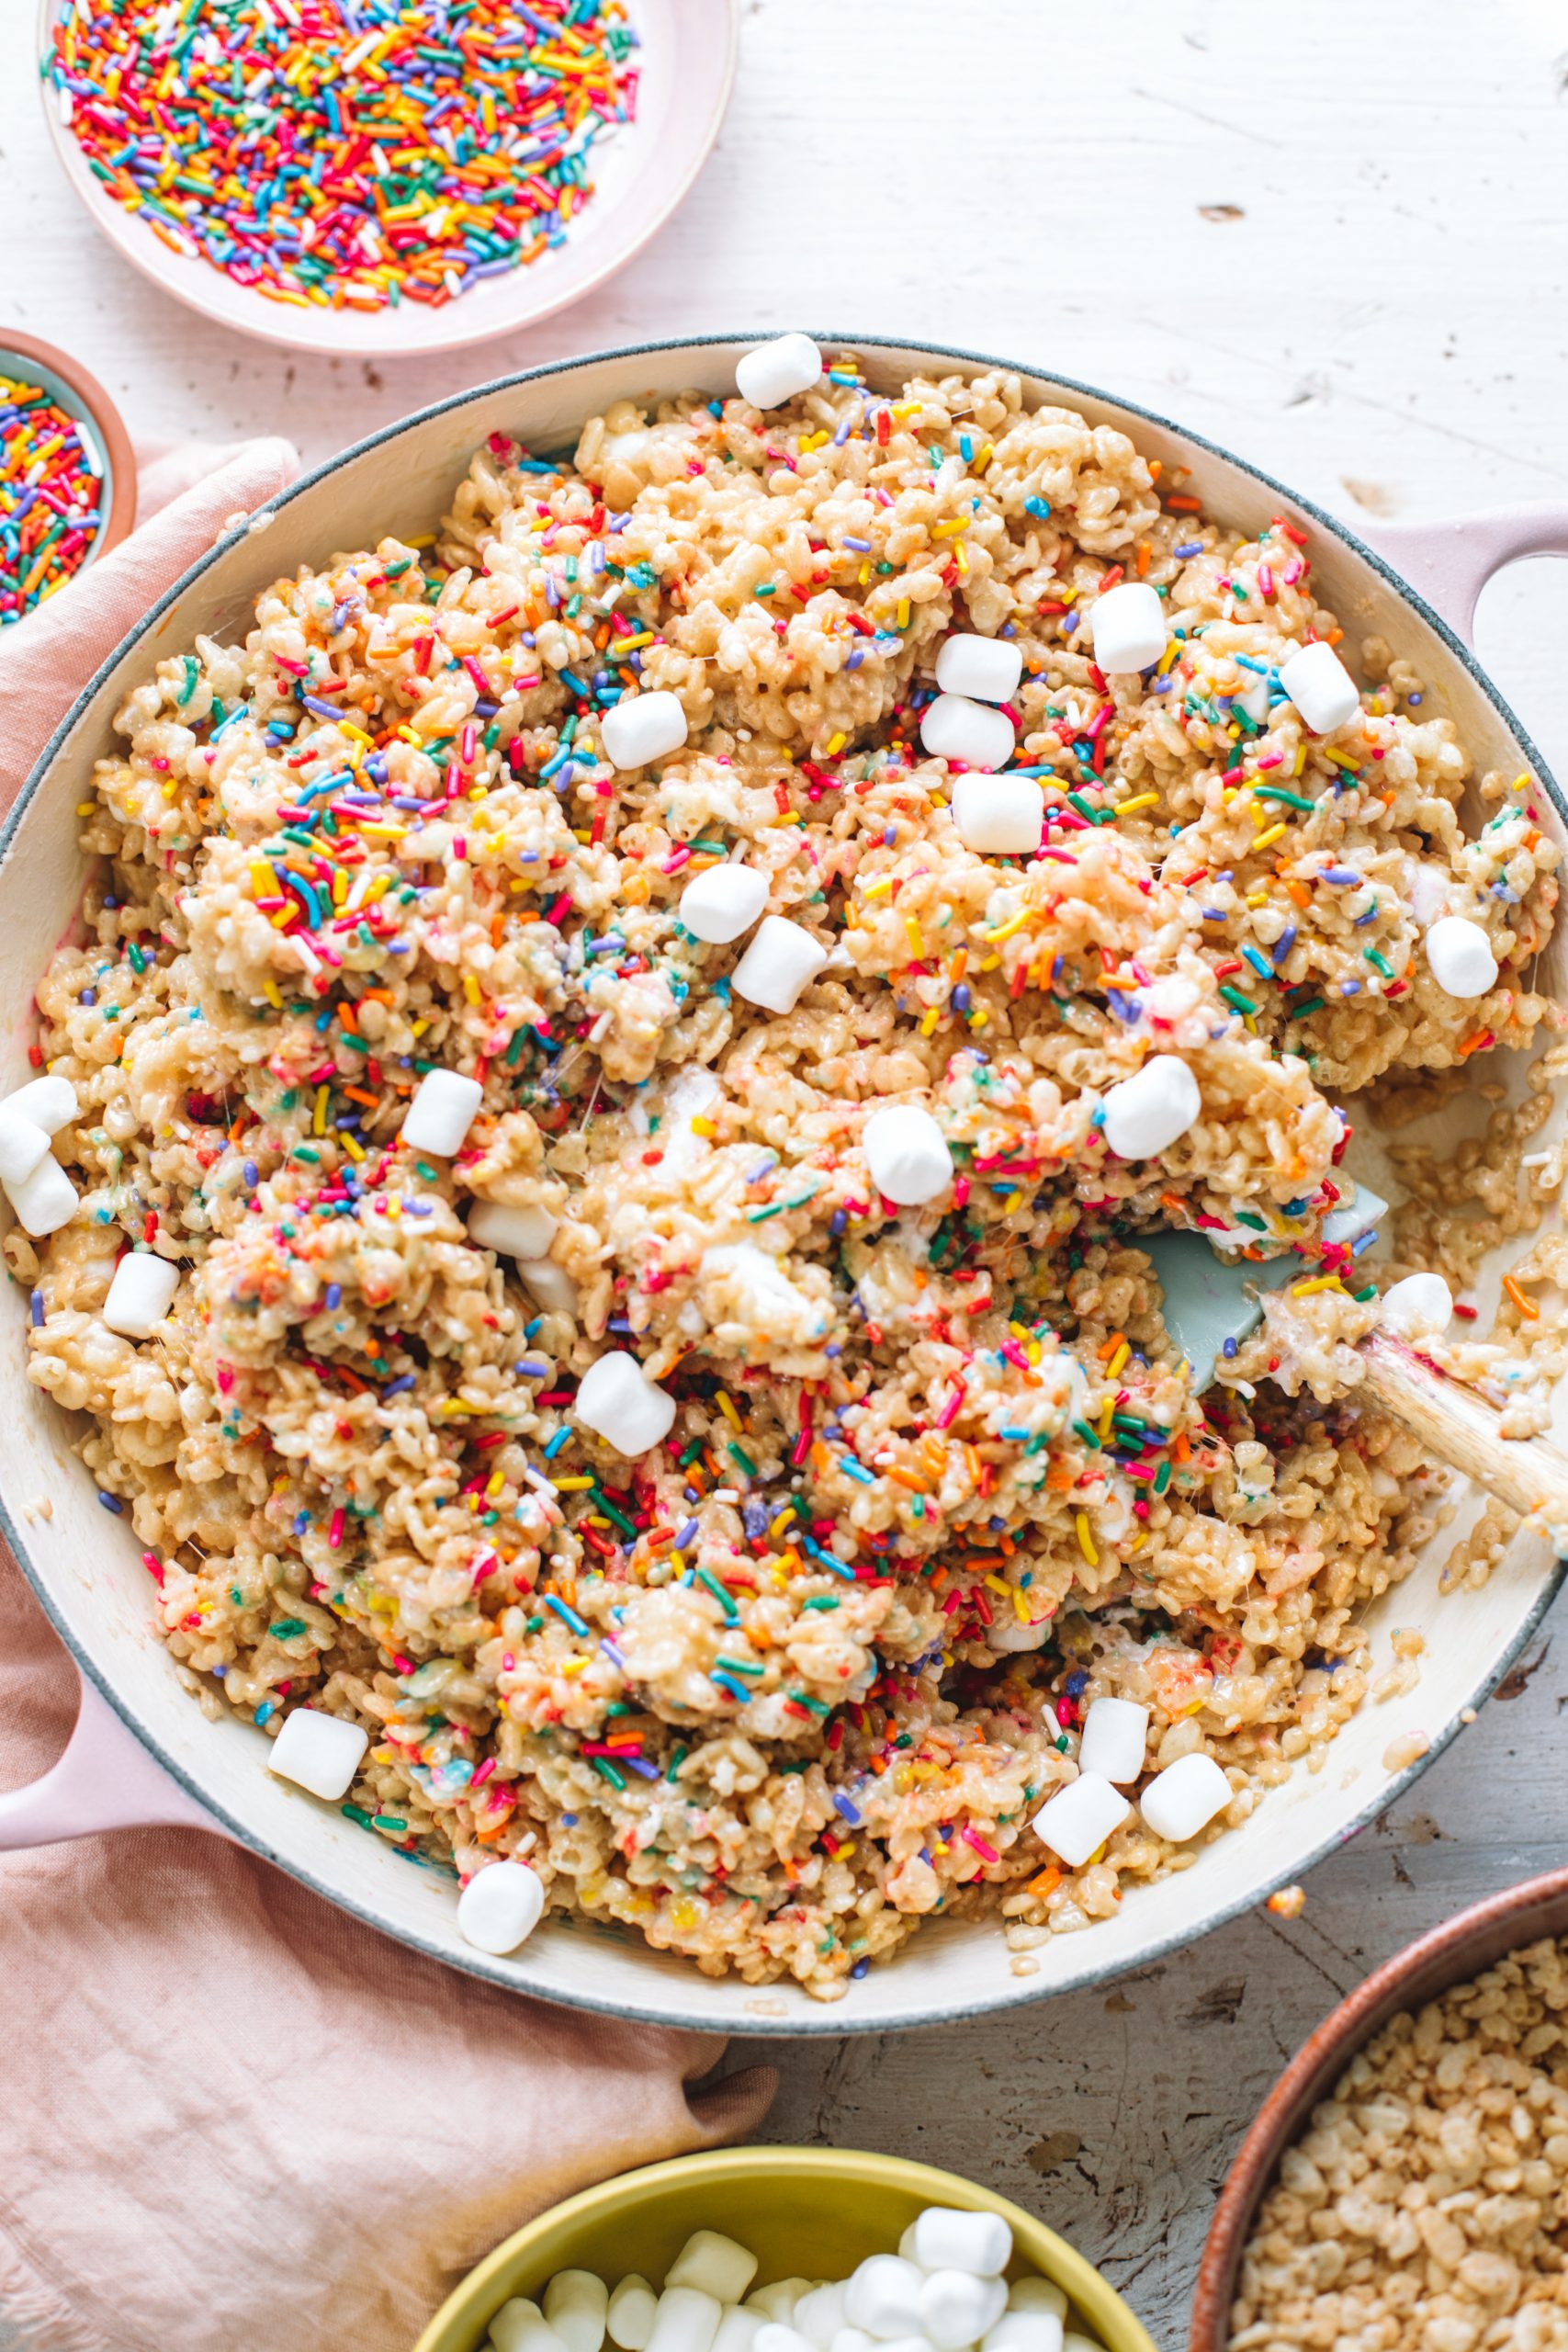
{"type": "Point", "coordinates": [1419, 1303]}
{"type": "Point", "coordinates": [617, 1400]}
{"type": "Point", "coordinates": [690, 1094]}
{"type": "Point", "coordinates": [499, 1907]}
{"type": "Point", "coordinates": [987, 669]}
{"type": "Point", "coordinates": [514, 1232]}
{"type": "Point", "coordinates": [906, 1153]}
{"type": "Point", "coordinates": [1000, 816]}
{"type": "Point", "coordinates": [521, 2326]}
{"type": "Point", "coordinates": [687, 2320]}
{"type": "Point", "coordinates": [1013, 1635]}
{"type": "Point", "coordinates": [1185, 1797]}
{"type": "Point", "coordinates": [777, 2300]}
{"type": "Point", "coordinates": [1127, 626]}
{"type": "Point", "coordinates": [22, 1145]}
{"type": "Point", "coordinates": [778, 2335]}
{"type": "Point", "coordinates": [720, 905]}
{"type": "Point", "coordinates": [575, 2300]}
{"type": "Point", "coordinates": [1075, 2340]}
{"type": "Point", "coordinates": [1256, 697]}
{"type": "Point", "coordinates": [1147, 1112]}
{"type": "Point", "coordinates": [1115, 1732]}
{"type": "Point", "coordinates": [958, 2307]}
{"type": "Point", "coordinates": [737, 2330]}
{"type": "Point", "coordinates": [50, 1103]}
{"type": "Point", "coordinates": [1428, 888]}
{"type": "Point", "coordinates": [953, 727]}
{"type": "Point", "coordinates": [1078, 1819]}
{"type": "Point", "coordinates": [946, 2237]}
{"type": "Point", "coordinates": [1019, 2331]}
{"type": "Point", "coordinates": [140, 1295]}
{"type": "Point", "coordinates": [1171, 997]}
{"type": "Point", "coordinates": [642, 728]}
{"type": "Point", "coordinates": [1460, 957]}
{"type": "Point", "coordinates": [772, 373]}
{"type": "Point", "coordinates": [445, 1107]}
{"type": "Point", "coordinates": [44, 1201]}
{"type": "Point", "coordinates": [1037, 2294]}
{"type": "Point", "coordinates": [883, 2295]}
{"type": "Point", "coordinates": [717, 2265]}
{"type": "Point", "coordinates": [819, 2315]}
{"type": "Point", "coordinates": [629, 2319]}
{"type": "Point", "coordinates": [779, 966]}
{"type": "Point", "coordinates": [1321, 688]}
{"type": "Point", "coordinates": [552, 1286]}
{"type": "Point", "coordinates": [320, 1752]}
{"type": "Point", "coordinates": [850, 2339]}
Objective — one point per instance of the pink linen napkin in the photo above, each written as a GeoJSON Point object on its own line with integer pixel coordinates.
{"type": "Point", "coordinates": [230, 2115]}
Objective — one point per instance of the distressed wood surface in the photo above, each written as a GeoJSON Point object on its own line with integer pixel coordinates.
{"type": "Point", "coordinates": [1331, 240]}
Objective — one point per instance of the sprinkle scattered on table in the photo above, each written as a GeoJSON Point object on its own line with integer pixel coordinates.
{"type": "Point", "coordinates": [347, 156]}
{"type": "Point", "coordinates": [51, 493]}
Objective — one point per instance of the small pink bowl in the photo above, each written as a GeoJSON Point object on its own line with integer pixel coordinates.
{"type": "Point", "coordinates": [1461, 1948]}
{"type": "Point", "coordinates": [67, 382]}
{"type": "Point", "coordinates": [686, 70]}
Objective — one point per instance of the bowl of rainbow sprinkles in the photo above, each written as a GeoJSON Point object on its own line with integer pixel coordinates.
{"type": "Point", "coordinates": [67, 475]}
{"type": "Point", "coordinates": [354, 177]}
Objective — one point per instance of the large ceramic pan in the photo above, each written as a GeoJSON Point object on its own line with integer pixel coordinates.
{"type": "Point", "coordinates": [145, 1752]}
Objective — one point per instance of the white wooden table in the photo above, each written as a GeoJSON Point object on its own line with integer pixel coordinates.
{"type": "Point", "coordinates": [1330, 239]}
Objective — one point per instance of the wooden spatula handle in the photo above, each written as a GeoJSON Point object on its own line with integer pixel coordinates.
{"type": "Point", "coordinates": [1462, 1431]}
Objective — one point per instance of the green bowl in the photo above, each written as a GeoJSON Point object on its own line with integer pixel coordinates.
{"type": "Point", "coordinates": [807, 2212]}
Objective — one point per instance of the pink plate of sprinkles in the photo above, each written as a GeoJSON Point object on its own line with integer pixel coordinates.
{"type": "Point", "coordinates": [361, 177]}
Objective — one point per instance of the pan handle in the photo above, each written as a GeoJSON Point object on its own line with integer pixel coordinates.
{"type": "Point", "coordinates": [1450, 562]}
{"type": "Point", "coordinates": [105, 1780]}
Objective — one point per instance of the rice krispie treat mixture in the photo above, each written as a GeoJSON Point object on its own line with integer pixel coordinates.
{"type": "Point", "coordinates": [1423, 2209]}
{"type": "Point", "coordinates": [907, 1472]}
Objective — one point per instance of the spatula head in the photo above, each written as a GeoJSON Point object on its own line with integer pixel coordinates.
{"type": "Point", "coordinates": [1211, 1298]}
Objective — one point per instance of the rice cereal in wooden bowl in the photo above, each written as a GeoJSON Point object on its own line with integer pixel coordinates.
{"type": "Point", "coordinates": [1402, 2183]}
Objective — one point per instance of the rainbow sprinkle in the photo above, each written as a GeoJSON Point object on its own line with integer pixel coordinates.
{"type": "Point", "coordinates": [52, 482]}
{"type": "Point", "coordinates": [348, 154]}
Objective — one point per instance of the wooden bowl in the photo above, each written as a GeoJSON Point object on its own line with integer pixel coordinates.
{"type": "Point", "coordinates": [68, 384]}
{"type": "Point", "coordinates": [1461, 1948]}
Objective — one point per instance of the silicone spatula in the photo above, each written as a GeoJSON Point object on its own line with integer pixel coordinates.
{"type": "Point", "coordinates": [1210, 1298]}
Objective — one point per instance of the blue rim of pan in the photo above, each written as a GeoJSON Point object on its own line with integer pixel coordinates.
{"type": "Point", "coordinates": [836, 2017]}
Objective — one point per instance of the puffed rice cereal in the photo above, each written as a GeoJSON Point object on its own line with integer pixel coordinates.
{"type": "Point", "coordinates": [1421, 2211]}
